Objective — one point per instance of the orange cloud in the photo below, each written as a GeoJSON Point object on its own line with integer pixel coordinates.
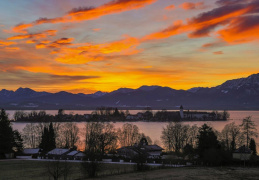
{"type": "Point", "coordinates": [191, 6]}
{"type": "Point", "coordinates": [20, 28]}
{"type": "Point", "coordinates": [44, 34]}
{"type": "Point", "coordinates": [40, 46]}
{"type": "Point", "coordinates": [97, 29]}
{"type": "Point", "coordinates": [86, 52]}
{"type": "Point", "coordinates": [83, 14]}
{"type": "Point", "coordinates": [55, 44]}
{"type": "Point", "coordinates": [171, 7]}
{"type": "Point", "coordinates": [112, 7]}
{"type": "Point", "coordinates": [6, 43]}
{"type": "Point", "coordinates": [241, 30]}
{"type": "Point", "coordinates": [61, 42]}
{"type": "Point", "coordinates": [30, 41]}
{"type": "Point", "coordinates": [12, 48]}
{"type": "Point", "coordinates": [177, 28]}
{"type": "Point", "coordinates": [218, 53]}
{"type": "Point", "coordinates": [242, 25]}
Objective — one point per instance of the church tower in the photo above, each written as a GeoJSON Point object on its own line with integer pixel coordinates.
{"type": "Point", "coordinates": [181, 112]}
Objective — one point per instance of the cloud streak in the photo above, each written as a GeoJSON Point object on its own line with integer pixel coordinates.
{"type": "Point", "coordinates": [83, 53]}
{"type": "Point", "coordinates": [239, 23]}
{"type": "Point", "coordinates": [6, 43]}
{"type": "Point", "coordinates": [192, 6]}
{"type": "Point", "coordinates": [44, 34]}
{"type": "Point", "coordinates": [88, 13]}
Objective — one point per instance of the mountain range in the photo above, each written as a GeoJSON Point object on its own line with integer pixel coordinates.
{"type": "Point", "coordinates": [237, 94]}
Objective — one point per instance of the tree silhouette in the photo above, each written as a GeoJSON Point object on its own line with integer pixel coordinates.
{"type": "Point", "coordinates": [10, 141]}
{"type": "Point", "coordinates": [252, 146]}
{"type": "Point", "coordinates": [48, 139]}
{"type": "Point", "coordinates": [6, 134]}
{"type": "Point", "coordinates": [249, 129]}
{"type": "Point", "coordinates": [206, 139]}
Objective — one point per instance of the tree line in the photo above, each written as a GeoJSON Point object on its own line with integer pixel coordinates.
{"type": "Point", "coordinates": [100, 138]}
{"type": "Point", "coordinates": [211, 145]}
{"type": "Point", "coordinates": [110, 114]}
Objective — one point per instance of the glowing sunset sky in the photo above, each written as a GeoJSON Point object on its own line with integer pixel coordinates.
{"type": "Point", "coordinates": [90, 45]}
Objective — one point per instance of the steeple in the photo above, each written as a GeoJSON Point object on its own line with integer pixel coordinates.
{"type": "Point", "coordinates": [181, 112]}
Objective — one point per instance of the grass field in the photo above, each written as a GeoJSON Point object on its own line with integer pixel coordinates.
{"type": "Point", "coordinates": [28, 170]}
{"type": "Point", "coordinates": [190, 173]}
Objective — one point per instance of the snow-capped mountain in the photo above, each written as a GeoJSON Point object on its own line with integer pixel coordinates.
{"type": "Point", "coordinates": [237, 94]}
{"type": "Point", "coordinates": [250, 81]}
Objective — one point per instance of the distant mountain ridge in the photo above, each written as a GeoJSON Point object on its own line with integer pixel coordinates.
{"type": "Point", "coordinates": [237, 94]}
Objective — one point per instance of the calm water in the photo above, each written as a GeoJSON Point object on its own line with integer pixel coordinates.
{"type": "Point", "coordinates": [154, 129]}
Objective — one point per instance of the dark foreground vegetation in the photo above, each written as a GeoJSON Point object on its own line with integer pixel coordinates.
{"type": "Point", "coordinates": [183, 145]}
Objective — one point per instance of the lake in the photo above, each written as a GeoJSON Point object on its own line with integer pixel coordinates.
{"type": "Point", "coordinates": [154, 129]}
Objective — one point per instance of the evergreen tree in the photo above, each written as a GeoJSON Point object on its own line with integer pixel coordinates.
{"type": "Point", "coordinates": [252, 146]}
{"type": "Point", "coordinates": [18, 141]}
{"type": "Point", "coordinates": [116, 113]}
{"type": "Point", "coordinates": [206, 139]}
{"type": "Point", "coordinates": [6, 134]}
{"type": "Point", "coordinates": [48, 139]}
{"type": "Point", "coordinates": [52, 141]}
{"type": "Point", "coordinates": [10, 141]}
{"type": "Point", "coordinates": [44, 140]}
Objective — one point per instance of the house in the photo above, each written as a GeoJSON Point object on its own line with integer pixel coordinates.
{"type": "Point", "coordinates": [88, 116]}
{"type": "Point", "coordinates": [196, 115]}
{"type": "Point", "coordinates": [75, 155]}
{"type": "Point", "coordinates": [79, 156]}
{"type": "Point", "coordinates": [242, 153]}
{"type": "Point", "coordinates": [131, 117]}
{"type": "Point", "coordinates": [57, 153]}
{"type": "Point", "coordinates": [140, 115]}
{"type": "Point", "coordinates": [30, 153]}
{"type": "Point", "coordinates": [150, 151]}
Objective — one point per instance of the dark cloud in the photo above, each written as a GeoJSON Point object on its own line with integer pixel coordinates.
{"type": "Point", "coordinates": [61, 42]}
{"type": "Point", "coordinates": [204, 31]}
{"type": "Point", "coordinates": [30, 79]}
{"type": "Point", "coordinates": [41, 35]}
{"type": "Point", "coordinates": [234, 18]}
{"type": "Point", "coordinates": [81, 9]}
{"type": "Point", "coordinates": [230, 2]}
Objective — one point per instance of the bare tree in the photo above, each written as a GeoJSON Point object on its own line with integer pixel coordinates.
{"type": "Point", "coordinates": [19, 115]}
{"type": "Point", "coordinates": [57, 169]}
{"type": "Point", "coordinates": [107, 138]}
{"type": "Point", "coordinates": [31, 134]}
{"type": "Point", "coordinates": [231, 136]}
{"type": "Point", "coordinates": [192, 135]}
{"type": "Point", "coordinates": [167, 138]}
{"type": "Point", "coordinates": [175, 136]}
{"type": "Point", "coordinates": [68, 135]}
{"type": "Point", "coordinates": [100, 137]}
{"type": "Point", "coordinates": [128, 135]}
{"type": "Point", "coordinates": [248, 128]}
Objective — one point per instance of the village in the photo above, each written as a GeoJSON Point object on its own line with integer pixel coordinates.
{"type": "Point", "coordinates": [152, 153]}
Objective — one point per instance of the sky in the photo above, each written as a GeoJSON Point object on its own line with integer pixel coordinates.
{"type": "Point", "coordinates": [87, 46]}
